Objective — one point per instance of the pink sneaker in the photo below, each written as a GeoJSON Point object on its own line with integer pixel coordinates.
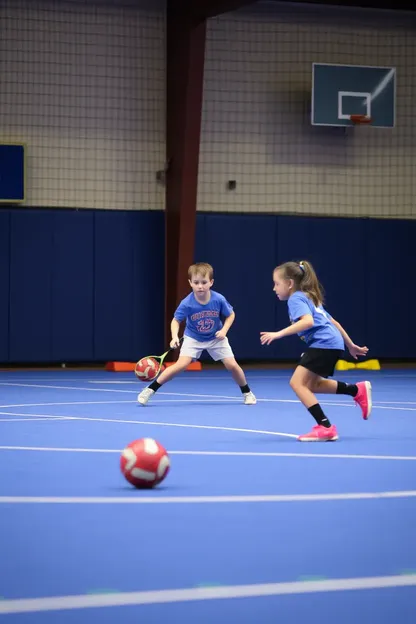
{"type": "Point", "coordinates": [363, 398]}
{"type": "Point", "coordinates": [320, 434]}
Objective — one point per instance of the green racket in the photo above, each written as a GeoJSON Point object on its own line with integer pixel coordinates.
{"type": "Point", "coordinates": [149, 367]}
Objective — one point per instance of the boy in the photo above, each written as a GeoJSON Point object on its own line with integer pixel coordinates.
{"type": "Point", "coordinates": [202, 309]}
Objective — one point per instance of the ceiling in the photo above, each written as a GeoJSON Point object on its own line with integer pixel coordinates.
{"type": "Point", "coordinates": [403, 5]}
{"type": "Point", "coordinates": [210, 8]}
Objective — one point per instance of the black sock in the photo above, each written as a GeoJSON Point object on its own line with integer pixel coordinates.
{"type": "Point", "coordinates": [245, 389]}
{"type": "Point", "coordinates": [317, 413]}
{"type": "Point", "coordinates": [155, 385]}
{"type": "Point", "coordinates": [344, 388]}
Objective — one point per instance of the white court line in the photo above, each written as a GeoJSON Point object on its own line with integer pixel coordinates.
{"type": "Point", "coordinates": [9, 420]}
{"type": "Point", "coordinates": [397, 402]}
{"type": "Point", "coordinates": [180, 394]}
{"type": "Point", "coordinates": [260, 400]}
{"type": "Point", "coordinates": [160, 400]}
{"type": "Point", "coordinates": [198, 396]}
{"type": "Point", "coordinates": [66, 403]}
{"type": "Point", "coordinates": [175, 500]}
{"type": "Point", "coordinates": [225, 379]}
{"type": "Point", "coordinates": [156, 424]}
{"type": "Point", "coordinates": [214, 453]}
{"type": "Point", "coordinates": [211, 399]}
{"type": "Point", "coordinates": [166, 596]}
{"type": "Point", "coordinates": [133, 401]}
{"type": "Point", "coordinates": [54, 387]}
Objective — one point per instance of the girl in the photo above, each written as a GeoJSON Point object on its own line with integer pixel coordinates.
{"type": "Point", "coordinates": [298, 284]}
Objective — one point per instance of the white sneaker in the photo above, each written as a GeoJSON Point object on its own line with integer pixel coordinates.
{"type": "Point", "coordinates": [249, 398]}
{"type": "Point", "coordinates": [145, 395]}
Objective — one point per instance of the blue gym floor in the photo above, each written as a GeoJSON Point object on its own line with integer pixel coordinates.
{"type": "Point", "coordinates": [249, 526]}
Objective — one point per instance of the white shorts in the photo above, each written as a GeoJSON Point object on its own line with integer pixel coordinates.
{"type": "Point", "coordinates": [217, 348]}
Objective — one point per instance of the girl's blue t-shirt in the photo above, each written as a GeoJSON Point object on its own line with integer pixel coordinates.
{"type": "Point", "coordinates": [323, 334]}
{"type": "Point", "coordinates": [203, 320]}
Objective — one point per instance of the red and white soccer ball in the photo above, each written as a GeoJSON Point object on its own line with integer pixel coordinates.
{"type": "Point", "coordinates": [146, 369]}
{"type": "Point", "coordinates": [144, 463]}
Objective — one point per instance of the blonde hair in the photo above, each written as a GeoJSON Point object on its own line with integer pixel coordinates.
{"type": "Point", "coordinates": [304, 278]}
{"type": "Point", "coordinates": [203, 268]}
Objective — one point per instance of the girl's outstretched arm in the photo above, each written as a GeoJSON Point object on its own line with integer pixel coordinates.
{"type": "Point", "coordinates": [305, 322]}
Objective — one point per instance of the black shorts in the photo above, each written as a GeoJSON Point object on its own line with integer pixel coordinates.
{"type": "Point", "coordinates": [320, 361]}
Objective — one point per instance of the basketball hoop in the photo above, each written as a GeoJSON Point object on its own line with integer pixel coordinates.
{"type": "Point", "coordinates": [360, 119]}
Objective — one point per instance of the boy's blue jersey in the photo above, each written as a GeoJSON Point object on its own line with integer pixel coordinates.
{"type": "Point", "coordinates": [203, 320]}
{"type": "Point", "coordinates": [323, 334]}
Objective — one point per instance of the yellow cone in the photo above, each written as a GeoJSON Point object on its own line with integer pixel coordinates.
{"type": "Point", "coordinates": [369, 365]}
{"type": "Point", "coordinates": [343, 365]}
